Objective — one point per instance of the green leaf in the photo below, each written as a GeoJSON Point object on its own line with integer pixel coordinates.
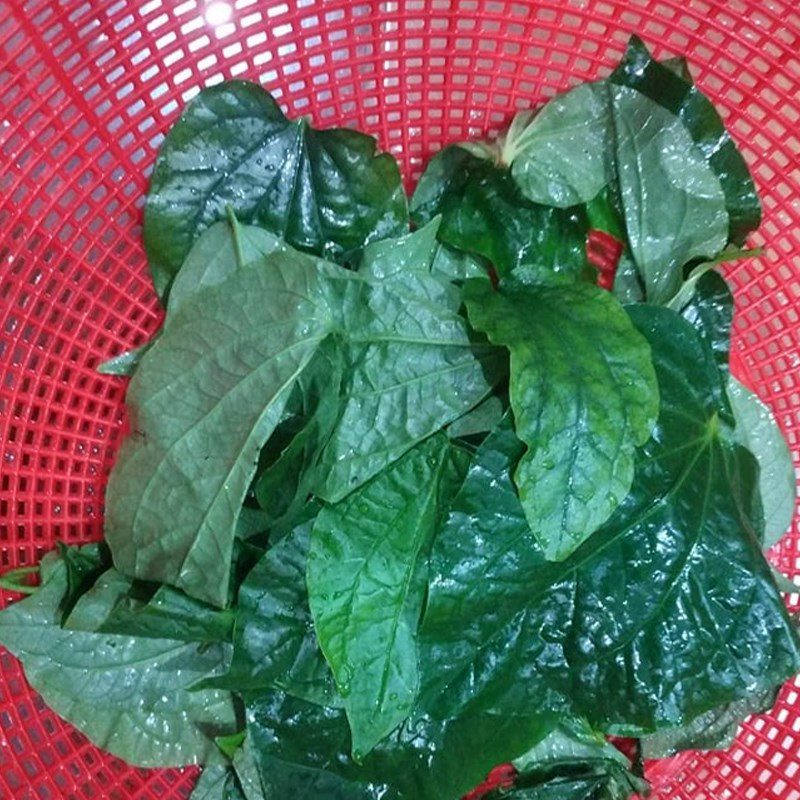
{"type": "Point", "coordinates": [714, 730]}
{"type": "Point", "coordinates": [674, 91]}
{"type": "Point", "coordinates": [541, 147]}
{"type": "Point", "coordinates": [366, 584]}
{"type": "Point", "coordinates": [758, 431]}
{"type": "Point", "coordinates": [483, 418]}
{"type": "Point", "coordinates": [204, 400]}
{"type": "Point", "coordinates": [161, 612]}
{"type": "Point", "coordinates": [128, 695]}
{"type": "Point", "coordinates": [83, 566]}
{"type": "Point", "coordinates": [710, 312]}
{"type": "Point", "coordinates": [246, 770]}
{"type": "Point", "coordinates": [423, 760]}
{"type": "Point", "coordinates": [219, 251]}
{"type": "Point", "coordinates": [125, 363]}
{"type": "Point", "coordinates": [218, 782]}
{"type": "Point", "coordinates": [412, 366]}
{"type": "Point", "coordinates": [572, 749]}
{"type": "Point", "coordinates": [673, 203]}
{"type": "Point", "coordinates": [230, 744]}
{"type": "Point", "coordinates": [584, 395]}
{"type": "Point", "coordinates": [325, 192]}
{"type": "Point", "coordinates": [300, 750]}
{"type": "Point", "coordinates": [275, 645]}
{"type": "Point", "coordinates": [282, 488]}
{"type": "Point", "coordinates": [484, 212]}
{"type": "Point", "coordinates": [665, 613]}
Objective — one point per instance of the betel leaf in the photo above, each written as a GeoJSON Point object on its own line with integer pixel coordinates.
{"type": "Point", "coordinates": [274, 644]}
{"type": "Point", "coordinates": [296, 749]}
{"type": "Point", "coordinates": [162, 612]}
{"type": "Point", "coordinates": [218, 782]}
{"type": "Point", "coordinates": [366, 583]}
{"type": "Point", "coordinates": [758, 431]}
{"type": "Point", "coordinates": [420, 761]}
{"type": "Point", "coordinates": [584, 395]}
{"type": "Point", "coordinates": [412, 366]}
{"type": "Point", "coordinates": [540, 148]}
{"type": "Point", "coordinates": [218, 252]}
{"type": "Point", "coordinates": [675, 91]}
{"type": "Point", "coordinates": [714, 730]}
{"type": "Point", "coordinates": [484, 212]}
{"type": "Point", "coordinates": [666, 612]}
{"type": "Point", "coordinates": [283, 487]}
{"type": "Point", "coordinates": [573, 752]}
{"type": "Point", "coordinates": [82, 566]}
{"type": "Point", "coordinates": [246, 770]}
{"type": "Point", "coordinates": [128, 695]}
{"type": "Point", "coordinates": [710, 312]}
{"type": "Point", "coordinates": [325, 192]}
{"type": "Point", "coordinates": [482, 419]}
{"type": "Point", "coordinates": [204, 400]}
{"type": "Point", "coordinates": [673, 203]}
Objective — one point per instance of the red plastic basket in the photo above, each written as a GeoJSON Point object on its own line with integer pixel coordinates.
{"type": "Point", "coordinates": [87, 90]}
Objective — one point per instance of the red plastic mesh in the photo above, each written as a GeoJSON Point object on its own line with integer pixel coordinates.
{"type": "Point", "coordinates": [87, 90]}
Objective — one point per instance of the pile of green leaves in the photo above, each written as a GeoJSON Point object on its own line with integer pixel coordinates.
{"type": "Point", "coordinates": [407, 495]}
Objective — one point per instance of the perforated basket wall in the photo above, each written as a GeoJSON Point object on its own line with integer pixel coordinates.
{"type": "Point", "coordinates": [87, 90]}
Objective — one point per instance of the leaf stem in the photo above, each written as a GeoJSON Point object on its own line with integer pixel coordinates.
{"type": "Point", "coordinates": [12, 580]}
{"type": "Point", "coordinates": [237, 239]}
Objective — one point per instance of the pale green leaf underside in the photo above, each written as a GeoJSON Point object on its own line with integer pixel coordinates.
{"type": "Point", "coordinates": [560, 156]}
{"type": "Point", "coordinates": [203, 401]}
{"type": "Point", "coordinates": [128, 695]}
{"type": "Point", "coordinates": [217, 254]}
{"type": "Point", "coordinates": [758, 431]}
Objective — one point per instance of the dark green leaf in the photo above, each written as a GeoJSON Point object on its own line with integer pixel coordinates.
{"type": "Point", "coordinates": [204, 399]}
{"type": "Point", "coordinates": [367, 572]}
{"type": "Point", "coordinates": [676, 93]}
{"type": "Point", "coordinates": [274, 643]}
{"type": "Point", "coordinates": [584, 395]}
{"type": "Point", "coordinates": [425, 761]}
{"type": "Point", "coordinates": [83, 566]}
{"type": "Point", "coordinates": [666, 612]}
{"type": "Point", "coordinates": [128, 695]}
{"type": "Point", "coordinates": [218, 782]}
{"type": "Point", "coordinates": [483, 418]}
{"type": "Point", "coordinates": [282, 489]}
{"type": "Point", "coordinates": [483, 212]}
{"type": "Point", "coordinates": [710, 312]}
{"type": "Point", "coordinates": [573, 752]}
{"type": "Point", "coordinates": [300, 750]}
{"type": "Point", "coordinates": [326, 192]}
